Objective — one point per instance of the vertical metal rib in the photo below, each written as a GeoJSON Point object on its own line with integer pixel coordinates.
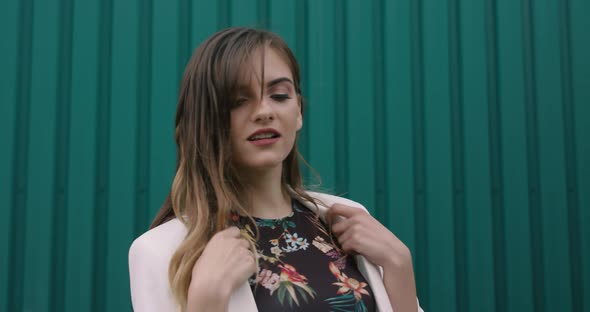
{"type": "Point", "coordinates": [301, 44]}
{"type": "Point", "coordinates": [223, 13]}
{"type": "Point", "coordinates": [184, 35]}
{"type": "Point", "coordinates": [102, 160]}
{"type": "Point", "coordinates": [20, 158]}
{"type": "Point", "coordinates": [264, 15]}
{"type": "Point", "coordinates": [457, 151]}
{"type": "Point", "coordinates": [418, 150]}
{"type": "Point", "coordinates": [533, 158]}
{"type": "Point", "coordinates": [495, 150]}
{"type": "Point", "coordinates": [142, 147]}
{"type": "Point", "coordinates": [569, 134]}
{"type": "Point", "coordinates": [62, 146]}
{"type": "Point", "coordinates": [341, 110]}
{"type": "Point", "coordinates": [380, 126]}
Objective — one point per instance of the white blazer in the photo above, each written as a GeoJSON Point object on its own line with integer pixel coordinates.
{"type": "Point", "coordinates": [150, 254]}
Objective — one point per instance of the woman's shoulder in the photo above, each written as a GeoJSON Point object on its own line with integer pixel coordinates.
{"type": "Point", "coordinates": [158, 243]}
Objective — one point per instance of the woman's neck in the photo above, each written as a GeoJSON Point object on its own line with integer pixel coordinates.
{"type": "Point", "coordinates": [265, 195]}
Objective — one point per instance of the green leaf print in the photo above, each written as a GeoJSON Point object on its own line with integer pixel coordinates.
{"type": "Point", "coordinates": [346, 303]}
{"type": "Point", "coordinates": [293, 296]}
{"type": "Point", "coordinates": [270, 223]}
{"type": "Point", "coordinates": [266, 223]}
{"type": "Point", "coordinates": [281, 294]}
{"type": "Point", "coordinates": [302, 294]}
{"type": "Point", "coordinates": [288, 224]}
{"type": "Point", "coordinates": [292, 292]}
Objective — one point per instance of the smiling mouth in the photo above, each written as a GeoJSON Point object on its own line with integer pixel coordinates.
{"type": "Point", "coordinates": [263, 136]}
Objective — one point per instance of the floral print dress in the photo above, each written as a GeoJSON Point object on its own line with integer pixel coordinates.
{"type": "Point", "coordinates": [301, 269]}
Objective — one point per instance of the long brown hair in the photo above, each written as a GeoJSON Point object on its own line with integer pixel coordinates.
{"type": "Point", "coordinates": [206, 186]}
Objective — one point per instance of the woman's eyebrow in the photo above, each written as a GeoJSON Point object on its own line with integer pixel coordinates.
{"type": "Point", "coordinates": [244, 90]}
{"type": "Point", "coordinates": [277, 81]}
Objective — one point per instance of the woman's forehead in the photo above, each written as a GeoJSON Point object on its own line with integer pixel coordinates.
{"type": "Point", "coordinates": [268, 65]}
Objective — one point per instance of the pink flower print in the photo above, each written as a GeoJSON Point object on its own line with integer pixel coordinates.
{"type": "Point", "coordinates": [334, 254]}
{"type": "Point", "coordinates": [268, 280]}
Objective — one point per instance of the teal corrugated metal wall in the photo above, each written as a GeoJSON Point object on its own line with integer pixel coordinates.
{"type": "Point", "coordinates": [463, 125]}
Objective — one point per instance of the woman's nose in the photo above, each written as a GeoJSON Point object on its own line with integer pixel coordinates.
{"type": "Point", "coordinates": [263, 111]}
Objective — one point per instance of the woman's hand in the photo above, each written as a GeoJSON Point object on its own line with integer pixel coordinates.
{"type": "Point", "coordinates": [360, 233]}
{"type": "Point", "coordinates": [224, 265]}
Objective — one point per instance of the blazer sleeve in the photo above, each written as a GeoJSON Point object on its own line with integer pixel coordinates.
{"type": "Point", "coordinates": [148, 275]}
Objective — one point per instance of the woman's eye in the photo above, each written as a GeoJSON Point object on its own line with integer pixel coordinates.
{"type": "Point", "coordinates": [280, 97]}
{"type": "Point", "coordinates": [240, 101]}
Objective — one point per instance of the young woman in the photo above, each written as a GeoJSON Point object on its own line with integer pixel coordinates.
{"type": "Point", "coordinates": [238, 231]}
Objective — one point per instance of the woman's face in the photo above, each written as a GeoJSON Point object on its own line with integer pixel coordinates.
{"type": "Point", "coordinates": [264, 126]}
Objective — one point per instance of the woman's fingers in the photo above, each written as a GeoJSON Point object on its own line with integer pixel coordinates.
{"type": "Point", "coordinates": [242, 242]}
{"type": "Point", "coordinates": [232, 231]}
{"type": "Point", "coordinates": [348, 241]}
{"type": "Point", "coordinates": [343, 210]}
{"type": "Point", "coordinates": [341, 226]}
{"type": "Point", "coordinates": [248, 259]}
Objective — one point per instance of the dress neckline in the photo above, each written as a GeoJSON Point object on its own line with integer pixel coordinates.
{"type": "Point", "coordinates": [294, 207]}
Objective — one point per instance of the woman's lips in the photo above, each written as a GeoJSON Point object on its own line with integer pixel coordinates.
{"type": "Point", "coordinates": [263, 133]}
{"type": "Point", "coordinates": [263, 142]}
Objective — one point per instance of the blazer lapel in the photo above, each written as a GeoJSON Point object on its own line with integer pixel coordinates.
{"type": "Point", "coordinates": [373, 277]}
{"type": "Point", "coordinates": [242, 299]}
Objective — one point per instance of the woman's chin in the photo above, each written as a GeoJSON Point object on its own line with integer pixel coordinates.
{"type": "Point", "coordinates": [262, 165]}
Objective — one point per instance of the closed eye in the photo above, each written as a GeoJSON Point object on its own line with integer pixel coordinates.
{"type": "Point", "coordinates": [280, 97]}
{"type": "Point", "coordinates": [240, 101]}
